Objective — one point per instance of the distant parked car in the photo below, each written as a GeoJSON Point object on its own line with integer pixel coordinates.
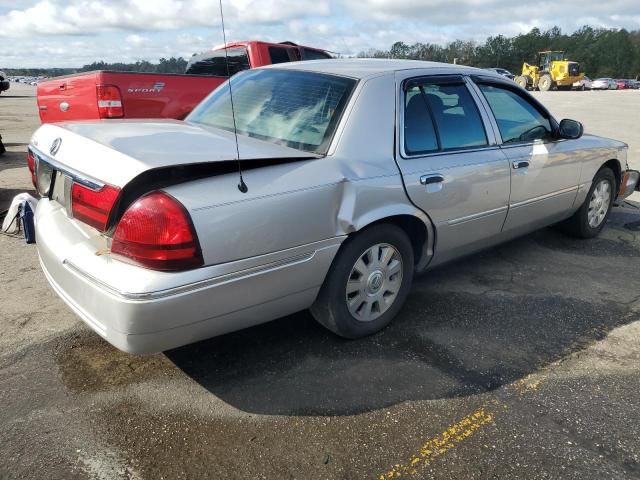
{"type": "Point", "coordinates": [622, 84]}
{"type": "Point", "coordinates": [635, 84]}
{"type": "Point", "coordinates": [4, 83]}
{"type": "Point", "coordinates": [584, 84]}
{"type": "Point", "coordinates": [503, 72]}
{"type": "Point", "coordinates": [604, 84]}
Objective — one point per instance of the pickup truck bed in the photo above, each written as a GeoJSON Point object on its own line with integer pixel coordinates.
{"type": "Point", "coordinates": [108, 94]}
{"type": "Point", "coordinates": [142, 95]}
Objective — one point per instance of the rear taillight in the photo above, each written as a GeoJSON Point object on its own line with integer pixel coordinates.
{"type": "Point", "coordinates": [31, 163]}
{"type": "Point", "coordinates": [93, 206]}
{"type": "Point", "coordinates": [109, 101]}
{"type": "Point", "coordinates": [156, 232]}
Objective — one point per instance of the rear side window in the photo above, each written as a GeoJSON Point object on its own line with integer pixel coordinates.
{"type": "Point", "coordinates": [518, 119]}
{"type": "Point", "coordinates": [441, 117]}
{"type": "Point", "coordinates": [279, 55]}
{"type": "Point", "coordinates": [308, 54]}
{"type": "Point", "coordinates": [215, 63]}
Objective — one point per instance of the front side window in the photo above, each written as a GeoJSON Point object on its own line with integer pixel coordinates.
{"type": "Point", "coordinates": [441, 117]}
{"type": "Point", "coordinates": [297, 109]}
{"type": "Point", "coordinates": [215, 63]}
{"type": "Point", "coordinates": [518, 119]}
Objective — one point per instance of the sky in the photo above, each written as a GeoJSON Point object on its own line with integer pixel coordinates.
{"type": "Point", "coordinates": [72, 33]}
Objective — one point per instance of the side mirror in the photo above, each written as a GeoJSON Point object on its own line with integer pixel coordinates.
{"type": "Point", "coordinates": [570, 129]}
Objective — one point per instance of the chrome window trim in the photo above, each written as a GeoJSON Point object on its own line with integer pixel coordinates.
{"type": "Point", "coordinates": [492, 141]}
{"type": "Point", "coordinates": [449, 152]}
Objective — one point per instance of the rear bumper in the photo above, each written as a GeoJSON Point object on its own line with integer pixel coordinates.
{"type": "Point", "coordinates": [194, 305]}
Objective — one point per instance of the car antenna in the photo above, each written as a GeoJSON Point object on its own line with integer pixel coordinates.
{"type": "Point", "coordinates": [241, 186]}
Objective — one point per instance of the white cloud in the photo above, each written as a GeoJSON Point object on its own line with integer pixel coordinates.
{"type": "Point", "coordinates": [85, 17]}
{"type": "Point", "coordinates": [129, 30]}
{"type": "Point", "coordinates": [137, 40]}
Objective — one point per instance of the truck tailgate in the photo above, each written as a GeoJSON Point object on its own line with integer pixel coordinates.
{"type": "Point", "coordinates": [143, 95]}
{"type": "Point", "coordinates": [72, 97]}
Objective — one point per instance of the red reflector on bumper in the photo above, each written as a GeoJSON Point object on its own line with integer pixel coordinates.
{"type": "Point", "coordinates": [93, 206]}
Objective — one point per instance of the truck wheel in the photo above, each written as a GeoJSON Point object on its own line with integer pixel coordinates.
{"type": "Point", "coordinates": [545, 83]}
{"type": "Point", "coordinates": [590, 219]}
{"type": "Point", "coordinates": [367, 283]}
{"type": "Point", "coordinates": [521, 81]}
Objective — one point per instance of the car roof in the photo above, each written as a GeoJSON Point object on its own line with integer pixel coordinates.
{"type": "Point", "coordinates": [362, 68]}
{"type": "Point", "coordinates": [245, 43]}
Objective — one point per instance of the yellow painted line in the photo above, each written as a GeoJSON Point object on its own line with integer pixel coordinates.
{"type": "Point", "coordinates": [528, 383]}
{"type": "Point", "coordinates": [442, 443]}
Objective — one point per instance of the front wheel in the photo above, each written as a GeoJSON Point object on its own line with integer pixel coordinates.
{"type": "Point", "coordinates": [590, 219]}
{"type": "Point", "coordinates": [521, 81]}
{"type": "Point", "coordinates": [367, 283]}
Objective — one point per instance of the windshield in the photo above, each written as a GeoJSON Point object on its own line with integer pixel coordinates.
{"type": "Point", "coordinates": [296, 109]}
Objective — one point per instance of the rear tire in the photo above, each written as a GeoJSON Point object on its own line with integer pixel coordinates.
{"type": "Point", "coordinates": [590, 219]}
{"type": "Point", "coordinates": [367, 283]}
{"type": "Point", "coordinates": [545, 83]}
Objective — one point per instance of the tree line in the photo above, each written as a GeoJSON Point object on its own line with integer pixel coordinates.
{"type": "Point", "coordinates": [170, 65]}
{"type": "Point", "coordinates": [165, 65]}
{"type": "Point", "coordinates": [601, 52]}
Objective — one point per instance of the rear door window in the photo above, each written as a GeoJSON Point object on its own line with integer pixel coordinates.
{"type": "Point", "coordinates": [215, 63]}
{"type": "Point", "coordinates": [517, 118]}
{"type": "Point", "coordinates": [441, 117]}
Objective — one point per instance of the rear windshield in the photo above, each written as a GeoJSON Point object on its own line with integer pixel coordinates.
{"type": "Point", "coordinates": [214, 63]}
{"type": "Point", "coordinates": [296, 109]}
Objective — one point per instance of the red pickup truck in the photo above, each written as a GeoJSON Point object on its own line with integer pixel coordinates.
{"type": "Point", "coordinates": [108, 94]}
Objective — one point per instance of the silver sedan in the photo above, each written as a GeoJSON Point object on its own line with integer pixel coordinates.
{"type": "Point", "coordinates": [322, 185]}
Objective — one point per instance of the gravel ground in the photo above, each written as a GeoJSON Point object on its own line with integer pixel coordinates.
{"type": "Point", "coordinates": [521, 362]}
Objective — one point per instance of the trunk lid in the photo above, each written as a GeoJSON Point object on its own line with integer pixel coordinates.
{"type": "Point", "coordinates": [117, 151]}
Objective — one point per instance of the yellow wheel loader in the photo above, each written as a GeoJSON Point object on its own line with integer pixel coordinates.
{"type": "Point", "coordinates": [553, 70]}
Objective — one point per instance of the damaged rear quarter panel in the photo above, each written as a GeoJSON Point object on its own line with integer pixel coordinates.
{"type": "Point", "coordinates": [305, 201]}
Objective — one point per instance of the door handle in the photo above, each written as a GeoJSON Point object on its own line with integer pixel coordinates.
{"type": "Point", "coordinates": [520, 164]}
{"type": "Point", "coordinates": [433, 178]}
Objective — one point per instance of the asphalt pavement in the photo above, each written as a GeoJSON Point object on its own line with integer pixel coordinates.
{"type": "Point", "coordinates": [521, 362]}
